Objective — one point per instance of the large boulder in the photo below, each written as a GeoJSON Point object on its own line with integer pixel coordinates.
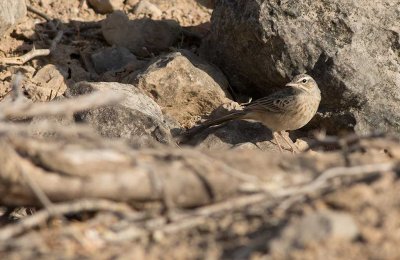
{"type": "Point", "coordinates": [11, 11]}
{"type": "Point", "coordinates": [185, 86]}
{"type": "Point", "coordinates": [136, 116]}
{"type": "Point", "coordinates": [352, 49]}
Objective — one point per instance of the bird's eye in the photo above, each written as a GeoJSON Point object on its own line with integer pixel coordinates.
{"type": "Point", "coordinates": [304, 81]}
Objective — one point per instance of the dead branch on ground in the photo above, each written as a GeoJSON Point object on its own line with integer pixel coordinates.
{"type": "Point", "coordinates": [39, 13]}
{"type": "Point", "coordinates": [185, 221]}
{"type": "Point", "coordinates": [63, 209]}
{"type": "Point", "coordinates": [34, 53]}
{"type": "Point", "coordinates": [62, 107]}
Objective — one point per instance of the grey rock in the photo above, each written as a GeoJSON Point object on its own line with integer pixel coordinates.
{"type": "Point", "coordinates": [185, 86]}
{"type": "Point", "coordinates": [112, 58]}
{"type": "Point", "coordinates": [314, 228]}
{"type": "Point", "coordinates": [136, 116]}
{"type": "Point", "coordinates": [106, 6]}
{"type": "Point", "coordinates": [351, 48]}
{"type": "Point", "coordinates": [141, 36]}
{"type": "Point", "coordinates": [11, 12]}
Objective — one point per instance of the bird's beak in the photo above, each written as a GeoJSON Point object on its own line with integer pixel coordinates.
{"type": "Point", "coordinates": [291, 84]}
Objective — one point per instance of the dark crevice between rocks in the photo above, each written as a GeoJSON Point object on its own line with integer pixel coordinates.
{"type": "Point", "coordinates": [333, 113]}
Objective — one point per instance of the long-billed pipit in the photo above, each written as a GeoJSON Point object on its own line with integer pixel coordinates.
{"type": "Point", "coordinates": [288, 109]}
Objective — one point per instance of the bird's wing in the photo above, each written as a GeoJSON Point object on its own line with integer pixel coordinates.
{"type": "Point", "coordinates": [276, 103]}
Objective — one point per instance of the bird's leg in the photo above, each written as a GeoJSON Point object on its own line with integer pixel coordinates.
{"type": "Point", "coordinates": [277, 143]}
{"type": "Point", "coordinates": [290, 143]}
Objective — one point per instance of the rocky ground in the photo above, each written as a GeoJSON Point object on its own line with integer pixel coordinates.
{"type": "Point", "coordinates": [95, 94]}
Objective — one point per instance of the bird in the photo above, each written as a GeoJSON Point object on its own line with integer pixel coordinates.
{"type": "Point", "coordinates": [288, 109]}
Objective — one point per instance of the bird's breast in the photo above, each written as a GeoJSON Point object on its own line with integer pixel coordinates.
{"type": "Point", "coordinates": [294, 118]}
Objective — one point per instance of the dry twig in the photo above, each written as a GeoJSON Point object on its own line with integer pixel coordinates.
{"type": "Point", "coordinates": [60, 210]}
{"type": "Point", "coordinates": [201, 215]}
{"type": "Point", "coordinates": [39, 13]}
{"type": "Point", "coordinates": [34, 52]}
{"type": "Point", "coordinates": [322, 181]}
{"type": "Point", "coordinates": [340, 142]}
{"type": "Point", "coordinates": [23, 129]}
{"type": "Point", "coordinates": [48, 205]}
{"type": "Point", "coordinates": [16, 89]}
{"type": "Point", "coordinates": [26, 57]}
{"type": "Point", "coordinates": [62, 107]}
{"type": "Point", "coordinates": [56, 40]}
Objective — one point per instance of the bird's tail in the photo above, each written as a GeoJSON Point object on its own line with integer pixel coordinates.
{"type": "Point", "coordinates": [197, 129]}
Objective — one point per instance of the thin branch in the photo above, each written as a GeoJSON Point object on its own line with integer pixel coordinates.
{"type": "Point", "coordinates": [62, 209]}
{"type": "Point", "coordinates": [186, 221]}
{"type": "Point", "coordinates": [34, 52]}
{"type": "Point", "coordinates": [61, 107]}
{"type": "Point", "coordinates": [352, 171]}
{"type": "Point", "coordinates": [39, 193]}
{"type": "Point", "coordinates": [39, 13]}
{"type": "Point", "coordinates": [199, 216]}
{"type": "Point", "coordinates": [321, 182]}
{"type": "Point", "coordinates": [339, 142]}
{"type": "Point", "coordinates": [23, 129]}
{"type": "Point", "coordinates": [16, 89]}
{"type": "Point", "coordinates": [26, 57]}
{"type": "Point", "coordinates": [56, 40]}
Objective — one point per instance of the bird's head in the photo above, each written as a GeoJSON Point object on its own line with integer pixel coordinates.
{"type": "Point", "coordinates": [304, 82]}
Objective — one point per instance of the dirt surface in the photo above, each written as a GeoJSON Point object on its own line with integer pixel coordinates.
{"type": "Point", "coordinates": [263, 230]}
{"type": "Point", "coordinates": [82, 35]}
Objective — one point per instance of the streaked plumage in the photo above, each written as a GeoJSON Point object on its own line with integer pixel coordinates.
{"type": "Point", "coordinates": [288, 109]}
